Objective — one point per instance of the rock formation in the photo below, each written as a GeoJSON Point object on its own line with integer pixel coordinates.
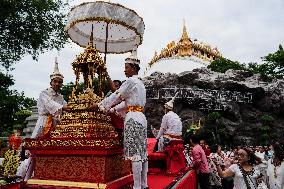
{"type": "Point", "coordinates": [239, 96]}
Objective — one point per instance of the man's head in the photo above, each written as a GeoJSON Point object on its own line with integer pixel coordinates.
{"type": "Point", "coordinates": [260, 148]}
{"type": "Point", "coordinates": [132, 64]}
{"type": "Point", "coordinates": [194, 139]}
{"type": "Point", "coordinates": [117, 84]}
{"type": "Point", "coordinates": [202, 143]}
{"type": "Point", "coordinates": [131, 69]}
{"type": "Point", "coordinates": [167, 109]}
{"type": "Point", "coordinates": [56, 84]}
{"type": "Point", "coordinates": [170, 104]}
{"type": "Point", "coordinates": [256, 148]}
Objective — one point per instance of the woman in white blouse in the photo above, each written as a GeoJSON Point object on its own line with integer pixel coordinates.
{"type": "Point", "coordinates": [245, 172]}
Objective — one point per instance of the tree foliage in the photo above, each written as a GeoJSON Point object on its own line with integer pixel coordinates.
{"type": "Point", "coordinates": [214, 130]}
{"type": "Point", "coordinates": [11, 105]}
{"type": "Point", "coordinates": [223, 64]}
{"type": "Point", "coordinates": [30, 27]}
{"type": "Point", "coordinates": [267, 132]}
{"type": "Point", "coordinates": [272, 66]}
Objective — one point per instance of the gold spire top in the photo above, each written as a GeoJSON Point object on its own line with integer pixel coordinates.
{"type": "Point", "coordinates": [184, 32]}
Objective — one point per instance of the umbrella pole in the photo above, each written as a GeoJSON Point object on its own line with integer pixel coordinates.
{"type": "Point", "coordinates": [106, 42]}
{"type": "Point", "coordinates": [102, 80]}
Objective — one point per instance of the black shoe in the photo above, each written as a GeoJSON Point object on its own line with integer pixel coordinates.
{"type": "Point", "coordinates": [147, 188]}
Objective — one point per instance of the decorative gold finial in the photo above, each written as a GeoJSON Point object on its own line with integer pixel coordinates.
{"type": "Point", "coordinates": [184, 32]}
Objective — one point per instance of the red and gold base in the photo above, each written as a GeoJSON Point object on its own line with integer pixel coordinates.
{"type": "Point", "coordinates": [81, 166]}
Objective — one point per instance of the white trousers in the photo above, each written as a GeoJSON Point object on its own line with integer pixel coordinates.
{"type": "Point", "coordinates": [30, 169]}
{"type": "Point", "coordinates": [140, 170]}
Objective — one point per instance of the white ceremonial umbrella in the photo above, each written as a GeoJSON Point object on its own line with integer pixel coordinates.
{"type": "Point", "coordinates": [117, 29]}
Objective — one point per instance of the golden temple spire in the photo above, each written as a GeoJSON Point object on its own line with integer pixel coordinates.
{"type": "Point", "coordinates": [184, 32]}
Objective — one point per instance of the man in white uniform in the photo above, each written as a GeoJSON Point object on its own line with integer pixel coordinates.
{"type": "Point", "coordinates": [130, 98]}
{"type": "Point", "coordinates": [171, 127]}
{"type": "Point", "coordinates": [50, 105]}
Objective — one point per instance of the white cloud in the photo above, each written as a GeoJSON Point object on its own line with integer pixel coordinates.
{"type": "Point", "coordinates": [243, 30]}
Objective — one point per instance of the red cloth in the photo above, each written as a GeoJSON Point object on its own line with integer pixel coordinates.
{"type": "Point", "coordinates": [13, 186]}
{"type": "Point", "coordinates": [188, 182]}
{"type": "Point", "coordinates": [116, 121]}
{"type": "Point", "coordinates": [151, 145]}
{"type": "Point", "coordinates": [173, 155]}
{"type": "Point", "coordinates": [176, 160]}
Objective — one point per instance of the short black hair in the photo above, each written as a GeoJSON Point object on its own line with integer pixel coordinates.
{"type": "Point", "coordinates": [214, 148]}
{"type": "Point", "coordinates": [278, 151]}
{"type": "Point", "coordinates": [195, 138]}
{"type": "Point", "coordinates": [118, 81]}
{"type": "Point", "coordinates": [135, 66]}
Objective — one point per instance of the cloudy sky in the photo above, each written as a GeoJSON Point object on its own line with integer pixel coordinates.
{"type": "Point", "coordinates": [243, 30]}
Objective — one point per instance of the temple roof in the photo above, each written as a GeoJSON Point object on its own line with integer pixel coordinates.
{"type": "Point", "coordinates": [184, 50]}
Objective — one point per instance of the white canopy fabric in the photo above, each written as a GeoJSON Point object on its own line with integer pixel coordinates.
{"type": "Point", "coordinates": [176, 65]}
{"type": "Point", "coordinates": [124, 25]}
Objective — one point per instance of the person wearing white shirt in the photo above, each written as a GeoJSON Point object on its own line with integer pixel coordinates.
{"type": "Point", "coordinates": [275, 168]}
{"type": "Point", "coordinates": [171, 127]}
{"type": "Point", "coordinates": [50, 105]}
{"type": "Point", "coordinates": [129, 101]}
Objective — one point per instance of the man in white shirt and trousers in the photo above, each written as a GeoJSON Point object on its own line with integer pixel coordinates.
{"type": "Point", "coordinates": [50, 105]}
{"type": "Point", "coordinates": [171, 127]}
{"type": "Point", "coordinates": [129, 101]}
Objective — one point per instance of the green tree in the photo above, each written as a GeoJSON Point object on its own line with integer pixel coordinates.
{"type": "Point", "coordinates": [214, 130]}
{"type": "Point", "coordinates": [30, 27]}
{"type": "Point", "coordinates": [212, 123]}
{"type": "Point", "coordinates": [11, 102]}
{"type": "Point", "coordinates": [274, 64]}
{"type": "Point", "coordinates": [20, 117]}
{"type": "Point", "coordinates": [267, 133]}
{"type": "Point", "coordinates": [223, 64]}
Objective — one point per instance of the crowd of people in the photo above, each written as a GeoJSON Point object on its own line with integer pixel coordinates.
{"type": "Point", "coordinates": [240, 167]}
